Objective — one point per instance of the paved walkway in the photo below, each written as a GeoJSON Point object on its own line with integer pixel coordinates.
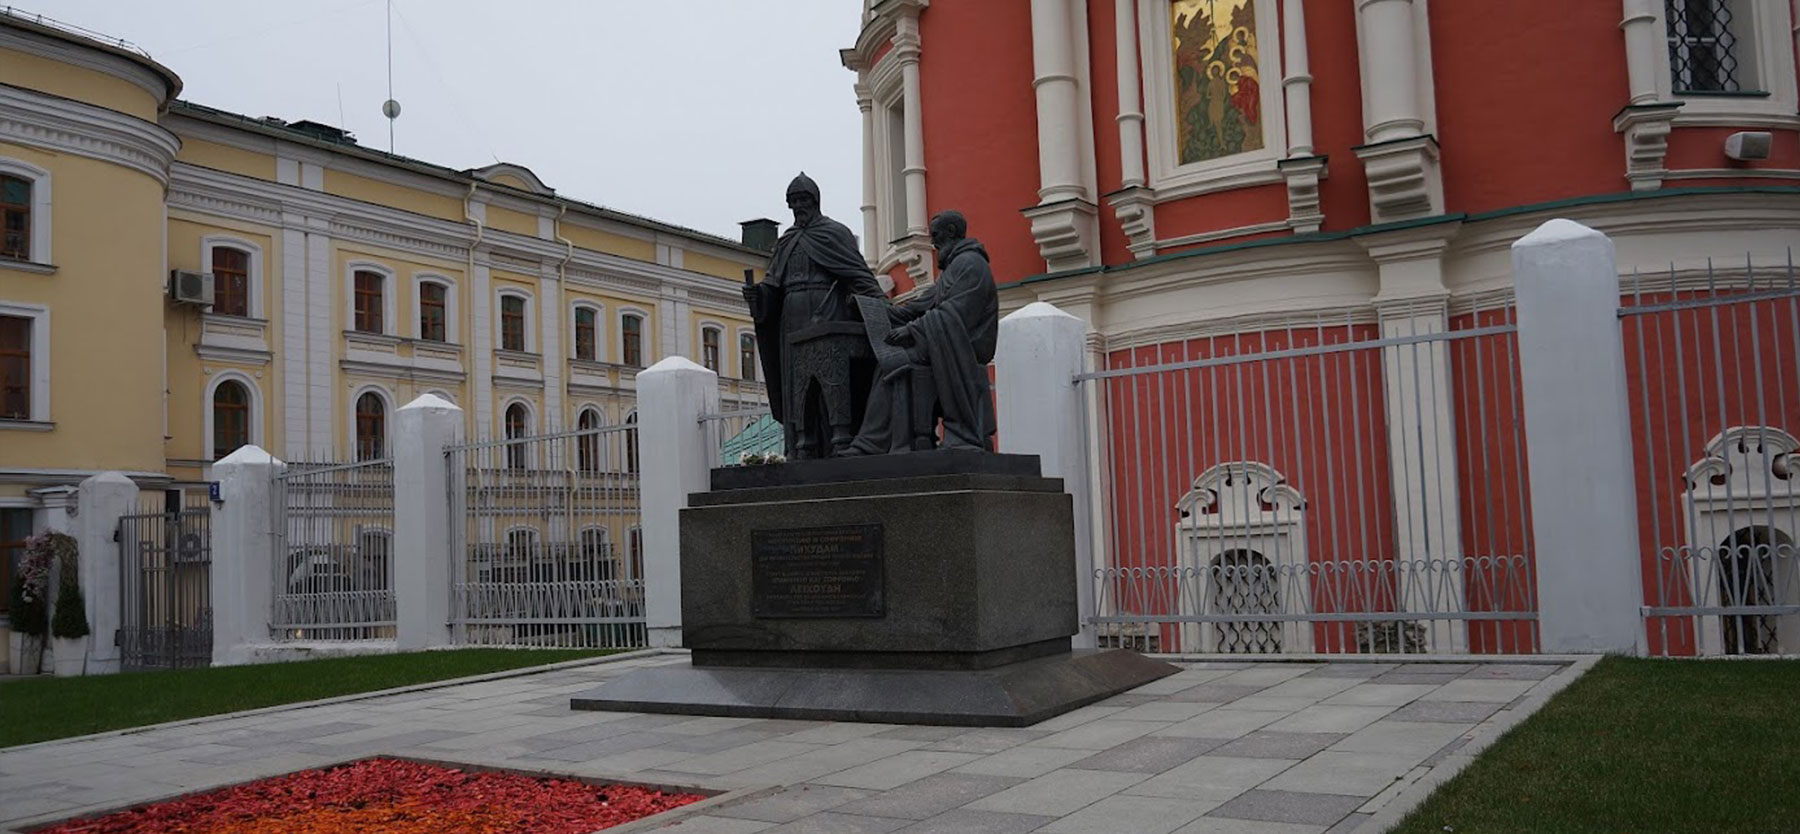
{"type": "Point", "coordinates": [1220, 748]}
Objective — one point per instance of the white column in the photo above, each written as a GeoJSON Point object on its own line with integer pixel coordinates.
{"type": "Point", "coordinates": [1058, 100]}
{"type": "Point", "coordinates": [103, 499]}
{"type": "Point", "coordinates": [1578, 441]}
{"type": "Point", "coordinates": [1390, 70]}
{"type": "Point", "coordinates": [672, 395]}
{"type": "Point", "coordinates": [871, 232]}
{"type": "Point", "coordinates": [1641, 42]}
{"type": "Point", "coordinates": [550, 330]}
{"type": "Point", "coordinates": [1296, 83]}
{"type": "Point", "coordinates": [906, 49]}
{"type": "Point", "coordinates": [481, 346]}
{"type": "Point", "coordinates": [1131, 111]}
{"type": "Point", "coordinates": [295, 415]}
{"type": "Point", "coordinates": [243, 554]}
{"type": "Point", "coordinates": [422, 542]}
{"type": "Point", "coordinates": [321, 304]}
{"type": "Point", "coordinates": [1040, 413]}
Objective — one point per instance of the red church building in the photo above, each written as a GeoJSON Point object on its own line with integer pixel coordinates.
{"type": "Point", "coordinates": [1286, 225]}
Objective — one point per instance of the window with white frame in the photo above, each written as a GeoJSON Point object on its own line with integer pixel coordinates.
{"type": "Point", "coordinates": [747, 356]}
{"type": "Point", "coordinates": [1212, 90]}
{"type": "Point", "coordinates": [631, 339]}
{"type": "Point", "coordinates": [710, 337]}
{"type": "Point", "coordinates": [24, 363]}
{"type": "Point", "coordinates": [435, 301]}
{"type": "Point", "coordinates": [24, 212]}
{"type": "Point", "coordinates": [370, 425]}
{"type": "Point", "coordinates": [236, 267]}
{"type": "Point", "coordinates": [1730, 61]}
{"type": "Point", "coordinates": [586, 332]}
{"type": "Point", "coordinates": [587, 443]}
{"type": "Point", "coordinates": [233, 414]}
{"type": "Point", "coordinates": [518, 427]}
{"type": "Point", "coordinates": [515, 320]}
{"type": "Point", "coordinates": [370, 305]}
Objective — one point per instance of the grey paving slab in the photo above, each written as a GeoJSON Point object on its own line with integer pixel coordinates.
{"type": "Point", "coordinates": [1267, 674]}
{"type": "Point", "coordinates": [1058, 793]}
{"type": "Point", "coordinates": [1420, 738]}
{"type": "Point", "coordinates": [1349, 774]}
{"type": "Point", "coordinates": [1130, 699]}
{"type": "Point", "coordinates": [709, 824]}
{"type": "Point", "coordinates": [834, 823]}
{"type": "Point", "coordinates": [1025, 761]}
{"type": "Point", "coordinates": [1265, 744]}
{"type": "Point", "coordinates": [1349, 824]}
{"type": "Point", "coordinates": [1264, 702]}
{"type": "Point", "coordinates": [922, 733]}
{"type": "Point", "coordinates": [1288, 806]}
{"type": "Point", "coordinates": [791, 803]}
{"type": "Point", "coordinates": [1438, 668]}
{"type": "Point", "coordinates": [1514, 671]}
{"type": "Point", "coordinates": [1164, 711]}
{"type": "Point", "coordinates": [1215, 778]}
{"type": "Point", "coordinates": [930, 796]}
{"type": "Point", "coordinates": [1480, 691]}
{"type": "Point", "coordinates": [740, 758]}
{"type": "Point", "coordinates": [1138, 814]}
{"type": "Point", "coordinates": [1214, 693]}
{"type": "Point", "coordinates": [1351, 670]}
{"type": "Point", "coordinates": [899, 769]}
{"type": "Point", "coordinates": [1148, 755]}
{"type": "Point", "coordinates": [1223, 724]}
{"type": "Point", "coordinates": [827, 760]}
{"type": "Point", "coordinates": [991, 740]}
{"type": "Point", "coordinates": [1416, 678]}
{"type": "Point", "coordinates": [1221, 825]}
{"type": "Point", "coordinates": [1450, 712]}
{"type": "Point", "coordinates": [1329, 718]}
{"type": "Point", "coordinates": [964, 821]}
{"type": "Point", "coordinates": [1077, 717]}
{"type": "Point", "coordinates": [1101, 734]}
{"type": "Point", "coordinates": [1380, 695]}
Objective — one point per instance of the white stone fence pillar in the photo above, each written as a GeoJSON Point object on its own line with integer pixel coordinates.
{"type": "Point", "coordinates": [1040, 413]}
{"type": "Point", "coordinates": [99, 504]}
{"type": "Point", "coordinates": [1578, 441]}
{"type": "Point", "coordinates": [673, 444]}
{"type": "Point", "coordinates": [423, 547]}
{"type": "Point", "coordinates": [243, 554]}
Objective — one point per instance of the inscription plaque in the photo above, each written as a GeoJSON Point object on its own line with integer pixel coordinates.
{"type": "Point", "coordinates": [817, 572]}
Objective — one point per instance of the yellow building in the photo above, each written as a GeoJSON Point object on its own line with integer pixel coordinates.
{"type": "Point", "coordinates": [177, 281]}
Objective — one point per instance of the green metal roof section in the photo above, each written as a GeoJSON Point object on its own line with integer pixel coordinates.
{"type": "Point", "coordinates": [762, 437]}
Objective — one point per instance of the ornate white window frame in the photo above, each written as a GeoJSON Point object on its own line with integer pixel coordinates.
{"type": "Point", "coordinates": [1172, 180]}
{"type": "Point", "coordinates": [253, 303]}
{"type": "Point", "coordinates": [599, 329]}
{"type": "Point", "coordinates": [255, 416]}
{"type": "Point", "coordinates": [451, 320]}
{"type": "Point", "coordinates": [40, 359]}
{"type": "Point", "coordinates": [1225, 512]}
{"type": "Point", "coordinates": [531, 340]}
{"type": "Point", "coordinates": [389, 327]}
{"type": "Point", "coordinates": [1734, 487]}
{"type": "Point", "coordinates": [41, 208]}
{"type": "Point", "coordinates": [724, 349]}
{"type": "Point", "coordinates": [529, 452]}
{"type": "Point", "coordinates": [1769, 34]}
{"type": "Point", "coordinates": [646, 348]}
{"type": "Point", "coordinates": [387, 418]}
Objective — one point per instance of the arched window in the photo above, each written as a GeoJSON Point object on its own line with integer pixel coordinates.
{"type": "Point", "coordinates": [585, 320]}
{"type": "Point", "coordinates": [521, 551]}
{"type": "Point", "coordinates": [370, 301]}
{"type": "Point", "coordinates": [631, 446]}
{"type": "Point", "coordinates": [433, 316]}
{"type": "Point", "coordinates": [747, 356]}
{"type": "Point", "coordinates": [517, 419]}
{"type": "Point", "coordinates": [596, 555]}
{"type": "Point", "coordinates": [231, 418]}
{"type": "Point", "coordinates": [371, 426]}
{"type": "Point", "coordinates": [374, 563]}
{"type": "Point", "coordinates": [15, 213]}
{"type": "Point", "coordinates": [1243, 582]}
{"type": "Point", "coordinates": [709, 348]}
{"type": "Point", "coordinates": [512, 322]}
{"type": "Point", "coordinates": [631, 344]}
{"type": "Point", "coordinates": [587, 442]}
{"type": "Point", "coordinates": [231, 281]}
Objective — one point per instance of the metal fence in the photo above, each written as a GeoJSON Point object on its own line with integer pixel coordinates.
{"type": "Point", "coordinates": [1713, 367]}
{"type": "Point", "coordinates": [165, 580]}
{"type": "Point", "coordinates": [547, 539]}
{"type": "Point", "coordinates": [743, 437]}
{"type": "Point", "coordinates": [334, 552]}
{"type": "Point", "coordinates": [1337, 486]}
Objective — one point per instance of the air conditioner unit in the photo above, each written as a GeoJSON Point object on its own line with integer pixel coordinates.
{"type": "Point", "coordinates": [190, 287]}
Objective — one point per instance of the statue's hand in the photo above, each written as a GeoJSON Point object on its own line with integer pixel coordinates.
{"type": "Point", "coordinates": [899, 336]}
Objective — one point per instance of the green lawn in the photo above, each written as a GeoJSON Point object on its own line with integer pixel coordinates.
{"type": "Point", "coordinates": [44, 708]}
{"type": "Point", "coordinates": [1640, 746]}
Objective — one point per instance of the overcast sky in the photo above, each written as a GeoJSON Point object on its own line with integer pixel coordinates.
{"type": "Point", "coordinates": [695, 112]}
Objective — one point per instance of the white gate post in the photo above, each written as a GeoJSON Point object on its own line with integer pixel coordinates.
{"type": "Point", "coordinates": [1578, 441]}
{"type": "Point", "coordinates": [243, 554]}
{"type": "Point", "coordinates": [672, 396]}
{"type": "Point", "coordinates": [103, 499]}
{"type": "Point", "coordinates": [422, 541]}
{"type": "Point", "coordinates": [1040, 413]}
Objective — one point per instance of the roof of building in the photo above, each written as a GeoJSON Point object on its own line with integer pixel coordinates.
{"type": "Point", "coordinates": [70, 33]}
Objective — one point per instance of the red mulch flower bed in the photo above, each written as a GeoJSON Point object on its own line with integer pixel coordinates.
{"type": "Point", "coordinates": [392, 797]}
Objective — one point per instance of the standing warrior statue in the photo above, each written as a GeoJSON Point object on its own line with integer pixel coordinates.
{"type": "Point", "coordinates": [815, 354]}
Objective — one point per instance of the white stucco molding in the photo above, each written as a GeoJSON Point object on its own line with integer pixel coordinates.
{"type": "Point", "coordinates": [66, 126]}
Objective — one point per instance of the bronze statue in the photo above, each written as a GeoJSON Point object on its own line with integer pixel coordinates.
{"type": "Point", "coordinates": [815, 355]}
{"type": "Point", "coordinates": [933, 353]}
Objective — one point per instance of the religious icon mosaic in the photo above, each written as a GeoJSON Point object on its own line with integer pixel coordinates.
{"type": "Point", "coordinates": [1218, 92]}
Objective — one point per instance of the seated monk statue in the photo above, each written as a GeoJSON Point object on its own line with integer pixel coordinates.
{"type": "Point", "coordinates": [942, 342]}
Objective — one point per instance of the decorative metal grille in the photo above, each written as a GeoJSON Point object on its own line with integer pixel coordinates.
{"type": "Point", "coordinates": [334, 563]}
{"type": "Point", "coordinates": [1702, 48]}
{"type": "Point", "coordinates": [1244, 583]}
{"type": "Point", "coordinates": [165, 581]}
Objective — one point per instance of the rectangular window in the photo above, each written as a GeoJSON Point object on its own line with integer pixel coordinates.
{"type": "Point", "coordinates": [631, 328]}
{"type": "Point", "coordinates": [584, 333]}
{"type": "Point", "coordinates": [15, 528]}
{"type": "Point", "coordinates": [747, 356]}
{"type": "Point", "coordinates": [709, 349]}
{"type": "Point", "coordinates": [1703, 46]}
{"type": "Point", "coordinates": [15, 368]}
{"type": "Point", "coordinates": [231, 281]}
{"type": "Point", "coordinates": [896, 171]}
{"type": "Point", "coordinates": [512, 323]}
{"type": "Point", "coordinates": [431, 312]}
{"type": "Point", "coordinates": [369, 302]}
{"type": "Point", "coordinates": [15, 215]}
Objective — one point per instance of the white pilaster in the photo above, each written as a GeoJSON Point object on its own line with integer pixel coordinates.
{"type": "Point", "coordinates": [102, 500]}
{"type": "Point", "coordinates": [550, 330]}
{"type": "Point", "coordinates": [320, 339]}
{"type": "Point", "coordinates": [1647, 119]}
{"type": "Point", "coordinates": [1400, 159]}
{"type": "Point", "coordinates": [243, 551]}
{"type": "Point", "coordinates": [1578, 441]}
{"type": "Point", "coordinates": [1040, 413]}
{"type": "Point", "coordinates": [1064, 223]}
{"type": "Point", "coordinates": [1133, 204]}
{"type": "Point", "coordinates": [1641, 42]}
{"type": "Point", "coordinates": [1296, 82]}
{"type": "Point", "coordinates": [672, 395]}
{"type": "Point", "coordinates": [871, 237]}
{"type": "Point", "coordinates": [422, 542]}
{"type": "Point", "coordinates": [481, 347]}
{"type": "Point", "coordinates": [907, 48]}
{"type": "Point", "coordinates": [296, 415]}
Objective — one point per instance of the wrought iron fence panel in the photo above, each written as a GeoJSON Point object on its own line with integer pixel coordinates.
{"type": "Point", "coordinates": [1337, 485]}
{"type": "Point", "coordinates": [743, 437]}
{"type": "Point", "coordinates": [334, 556]}
{"type": "Point", "coordinates": [165, 582]}
{"type": "Point", "coordinates": [547, 539]}
{"type": "Point", "coordinates": [1713, 375]}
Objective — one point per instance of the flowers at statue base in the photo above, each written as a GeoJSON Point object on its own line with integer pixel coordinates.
{"type": "Point", "coordinates": [394, 797]}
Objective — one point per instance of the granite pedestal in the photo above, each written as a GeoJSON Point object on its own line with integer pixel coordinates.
{"type": "Point", "coordinates": [929, 588]}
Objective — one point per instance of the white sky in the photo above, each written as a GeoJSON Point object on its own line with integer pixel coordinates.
{"type": "Point", "coordinates": [694, 112]}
